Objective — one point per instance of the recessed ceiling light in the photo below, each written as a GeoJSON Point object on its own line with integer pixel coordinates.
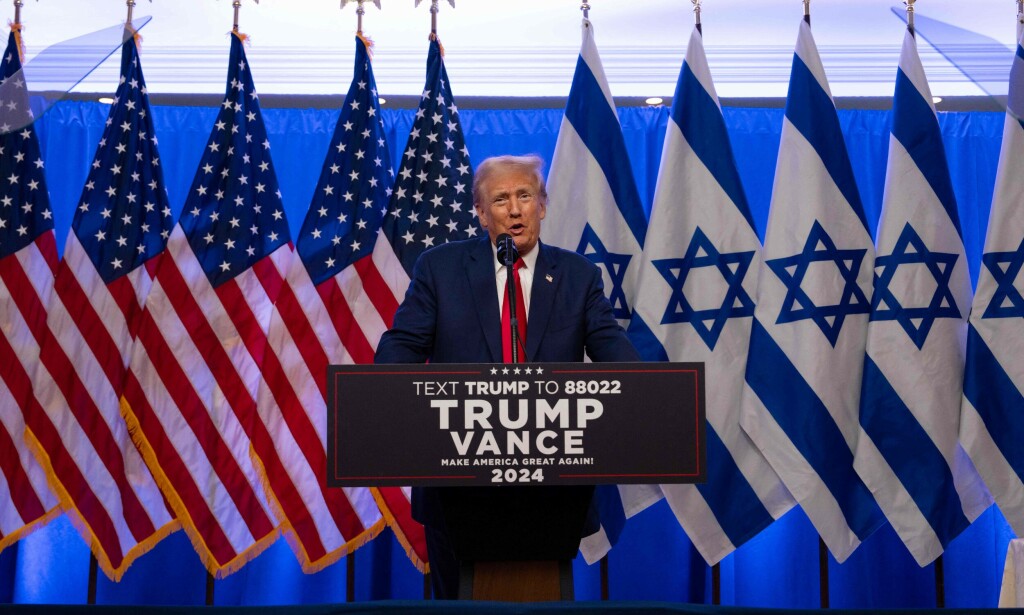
{"type": "Point", "coordinates": [654, 100]}
{"type": "Point", "coordinates": [936, 100]}
{"type": "Point", "coordinates": [106, 100]}
{"type": "Point", "coordinates": [382, 100]}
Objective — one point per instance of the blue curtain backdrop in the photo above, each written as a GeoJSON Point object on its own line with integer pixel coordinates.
{"type": "Point", "coordinates": [653, 560]}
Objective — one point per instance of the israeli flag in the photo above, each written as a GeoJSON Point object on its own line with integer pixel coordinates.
{"type": "Point", "coordinates": [807, 340]}
{"type": "Point", "coordinates": [908, 452]}
{"type": "Point", "coordinates": [594, 209]}
{"type": "Point", "coordinates": [697, 281]}
{"type": "Point", "coordinates": [593, 204]}
{"type": "Point", "coordinates": [991, 423]}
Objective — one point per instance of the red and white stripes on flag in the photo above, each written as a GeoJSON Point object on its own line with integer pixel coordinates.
{"type": "Point", "coordinates": [100, 286]}
{"type": "Point", "coordinates": [311, 328]}
{"type": "Point", "coordinates": [190, 398]}
{"type": "Point", "coordinates": [195, 369]}
{"type": "Point", "coordinates": [26, 277]}
{"type": "Point", "coordinates": [102, 480]}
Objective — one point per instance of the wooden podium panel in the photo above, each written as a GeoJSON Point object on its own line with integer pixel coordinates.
{"type": "Point", "coordinates": [515, 581]}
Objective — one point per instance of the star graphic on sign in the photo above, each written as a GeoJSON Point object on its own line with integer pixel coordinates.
{"type": "Point", "coordinates": [1005, 267]}
{"type": "Point", "coordinates": [732, 265]}
{"type": "Point", "coordinates": [917, 321]}
{"type": "Point", "coordinates": [593, 248]}
{"type": "Point", "coordinates": [798, 305]}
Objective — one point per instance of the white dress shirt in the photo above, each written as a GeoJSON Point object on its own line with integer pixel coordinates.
{"type": "Point", "coordinates": [525, 277]}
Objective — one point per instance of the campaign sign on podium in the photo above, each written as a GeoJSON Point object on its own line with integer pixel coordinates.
{"type": "Point", "coordinates": [523, 424]}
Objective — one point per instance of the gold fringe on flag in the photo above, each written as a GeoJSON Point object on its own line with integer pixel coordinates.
{"type": "Point", "coordinates": [245, 38]}
{"type": "Point", "coordinates": [181, 512]}
{"type": "Point", "coordinates": [135, 35]}
{"type": "Point", "coordinates": [16, 28]}
{"type": "Point", "coordinates": [368, 42]}
{"type": "Point", "coordinates": [308, 564]}
{"type": "Point", "coordinates": [78, 521]}
{"type": "Point", "coordinates": [433, 37]}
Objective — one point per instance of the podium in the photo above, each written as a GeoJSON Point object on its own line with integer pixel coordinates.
{"type": "Point", "coordinates": [511, 453]}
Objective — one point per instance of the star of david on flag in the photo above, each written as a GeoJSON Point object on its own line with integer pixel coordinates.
{"type": "Point", "coordinates": [733, 267]}
{"type": "Point", "coordinates": [916, 320]}
{"type": "Point", "coordinates": [1005, 268]}
{"type": "Point", "coordinates": [614, 265]}
{"type": "Point", "coordinates": [820, 248]}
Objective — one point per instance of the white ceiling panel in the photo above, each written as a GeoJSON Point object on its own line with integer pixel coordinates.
{"type": "Point", "coordinates": [524, 47]}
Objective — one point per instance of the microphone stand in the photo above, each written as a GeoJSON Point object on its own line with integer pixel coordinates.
{"type": "Point", "coordinates": [513, 322]}
{"type": "Point", "coordinates": [509, 255]}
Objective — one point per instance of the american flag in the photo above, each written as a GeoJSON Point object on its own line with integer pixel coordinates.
{"type": "Point", "coordinates": [432, 204]}
{"type": "Point", "coordinates": [28, 258]}
{"type": "Point", "coordinates": [195, 370]}
{"type": "Point", "coordinates": [120, 226]}
{"type": "Point", "coordinates": [331, 310]}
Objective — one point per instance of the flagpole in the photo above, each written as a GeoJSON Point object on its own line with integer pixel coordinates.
{"type": "Point", "coordinates": [585, 7]}
{"type": "Point", "coordinates": [696, 15]}
{"type": "Point", "coordinates": [807, 11]}
{"type": "Point", "coordinates": [433, 15]}
{"type": "Point", "coordinates": [910, 15]}
{"type": "Point", "coordinates": [237, 4]}
{"type": "Point", "coordinates": [17, 11]}
{"type": "Point", "coordinates": [1020, 18]}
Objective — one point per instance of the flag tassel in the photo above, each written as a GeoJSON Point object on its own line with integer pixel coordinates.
{"type": "Point", "coordinates": [308, 564]}
{"type": "Point", "coordinates": [181, 513]}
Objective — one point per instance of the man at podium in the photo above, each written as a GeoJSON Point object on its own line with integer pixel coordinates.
{"type": "Point", "coordinates": [457, 310]}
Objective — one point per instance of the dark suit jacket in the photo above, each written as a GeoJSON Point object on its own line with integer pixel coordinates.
{"type": "Point", "coordinates": [451, 315]}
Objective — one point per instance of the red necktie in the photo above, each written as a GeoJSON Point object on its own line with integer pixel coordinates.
{"type": "Point", "coordinates": [506, 318]}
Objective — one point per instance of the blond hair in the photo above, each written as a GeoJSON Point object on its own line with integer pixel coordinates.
{"type": "Point", "coordinates": [531, 163]}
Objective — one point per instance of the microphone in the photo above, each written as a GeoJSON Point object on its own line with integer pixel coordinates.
{"type": "Point", "coordinates": [508, 254]}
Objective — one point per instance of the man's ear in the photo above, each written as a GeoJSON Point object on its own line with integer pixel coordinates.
{"type": "Point", "coordinates": [481, 215]}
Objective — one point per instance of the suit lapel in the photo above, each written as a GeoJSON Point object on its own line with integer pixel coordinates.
{"type": "Point", "coordinates": [542, 298]}
{"type": "Point", "coordinates": [480, 271]}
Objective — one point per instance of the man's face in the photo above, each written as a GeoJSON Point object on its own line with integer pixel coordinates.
{"type": "Point", "coordinates": [511, 204]}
